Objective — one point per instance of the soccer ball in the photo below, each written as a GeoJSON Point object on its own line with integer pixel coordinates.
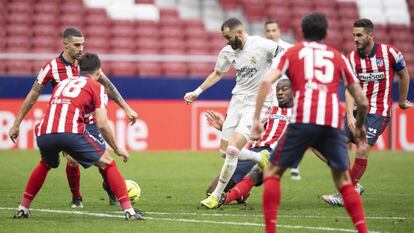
{"type": "Point", "coordinates": [134, 191]}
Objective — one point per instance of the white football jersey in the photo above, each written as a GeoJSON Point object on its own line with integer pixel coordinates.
{"type": "Point", "coordinates": [284, 45]}
{"type": "Point", "coordinates": [250, 63]}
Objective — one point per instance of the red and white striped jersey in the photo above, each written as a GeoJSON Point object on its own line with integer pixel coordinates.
{"type": "Point", "coordinates": [70, 99]}
{"type": "Point", "coordinates": [315, 71]}
{"type": "Point", "coordinates": [276, 125]}
{"type": "Point", "coordinates": [56, 70]}
{"type": "Point", "coordinates": [376, 73]}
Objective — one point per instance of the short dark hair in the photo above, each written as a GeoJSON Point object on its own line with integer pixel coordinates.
{"type": "Point", "coordinates": [231, 23]}
{"type": "Point", "coordinates": [364, 23]}
{"type": "Point", "coordinates": [314, 26]}
{"type": "Point", "coordinates": [271, 22]}
{"type": "Point", "coordinates": [69, 32]}
{"type": "Point", "coordinates": [89, 63]}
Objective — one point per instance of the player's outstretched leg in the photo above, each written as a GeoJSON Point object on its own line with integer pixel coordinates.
{"type": "Point", "coordinates": [105, 186]}
{"type": "Point", "coordinates": [261, 158]}
{"type": "Point", "coordinates": [229, 166]}
{"type": "Point", "coordinates": [36, 180]}
{"type": "Point", "coordinates": [117, 184]}
{"type": "Point", "coordinates": [241, 190]}
{"type": "Point", "coordinates": [73, 176]}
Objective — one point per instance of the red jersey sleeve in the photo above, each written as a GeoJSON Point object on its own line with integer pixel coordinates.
{"type": "Point", "coordinates": [45, 75]}
{"type": "Point", "coordinates": [347, 72]}
{"type": "Point", "coordinates": [100, 97]}
{"type": "Point", "coordinates": [282, 63]}
{"type": "Point", "coordinates": [397, 61]}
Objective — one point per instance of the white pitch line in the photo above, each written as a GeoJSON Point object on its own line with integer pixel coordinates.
{"type": "Point", "coordinates": [281, 216]}
{"type": "Point", "coordinates": [193, 220]}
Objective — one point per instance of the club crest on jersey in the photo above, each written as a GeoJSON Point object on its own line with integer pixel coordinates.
{"type": "Point", "coordinates": [253, 60]}
{"type": "Point", "coordinates": [380, 62]}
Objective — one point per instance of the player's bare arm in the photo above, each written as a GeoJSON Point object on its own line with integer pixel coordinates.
{"type": "Point", "coordinates": [105, 128]}
{"type": "Point", "coordinates": [28, 103]}
{"type": "Point", "coordinates": [211, 79]}
{"type": "Point", "coordinates": [214, 119]}
{"type": "Point", "coordinates": [349, 101]}
{"type": "Point", "coordinates": [362, 109]}
{"type": "Point", "coordinates": [114, 94]}
{"type": "Point", "coordinates": [270, 77]}
{"type": "Point", "coordinates": [403, 103]}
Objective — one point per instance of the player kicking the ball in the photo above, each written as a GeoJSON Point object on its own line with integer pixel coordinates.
{"type": "Point", "coordinates": [251, 56]}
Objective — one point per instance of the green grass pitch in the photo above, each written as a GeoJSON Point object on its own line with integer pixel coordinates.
{"type": "Point", "coordinates": [173, 183]}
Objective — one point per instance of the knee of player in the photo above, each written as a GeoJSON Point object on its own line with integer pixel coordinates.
{"type": "Point", "coordinates": [72, 163]}
{"type": "Point", "coordinates": [105, 161]}
{"type": "Point", "coordinates": [222, 153]}
{"type": "Point", "coordinates": [232, 151]}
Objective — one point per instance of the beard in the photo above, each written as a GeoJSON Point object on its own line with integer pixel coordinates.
{"type": "Point", "coordinates": [363, 45]}
{"type": "Point", "coordinates": [237, 44]}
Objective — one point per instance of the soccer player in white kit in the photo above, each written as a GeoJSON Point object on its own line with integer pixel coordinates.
{"type": "Point", "coordinates": [250, 56]}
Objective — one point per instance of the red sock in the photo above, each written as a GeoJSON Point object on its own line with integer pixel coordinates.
{"type": "Point", "coordinates": [240, 190]}
{"type": "Point", "coordinates": [360, 165]}
{"type": "Point", "coordinates": [355, 207]}
{"type": "Point", "coordinates": [105, 179]}
{"type": "Point", "coordinates": [117, 184]}
{"type": "Point", "coordinates": [73, 176]}
{"type": "Point", "coordinates": [36, 180]}
{"type": "Point", "coordinates": [271, 201]}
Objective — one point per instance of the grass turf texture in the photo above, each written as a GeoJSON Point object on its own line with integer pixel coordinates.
{"type": "Point", "coordinates": [173, 183]}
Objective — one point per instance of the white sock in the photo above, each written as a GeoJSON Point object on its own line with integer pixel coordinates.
{"type": "Point", "coordinates": [229, 166]}
{"type": "Point", "coordinates": [246, 154]}
{"type": "Point", "coordinates": [131, 211]}
{"type": "Point", "coordinates": [294, 170]}
{"type": "Point", "coordinates": [23, 208]}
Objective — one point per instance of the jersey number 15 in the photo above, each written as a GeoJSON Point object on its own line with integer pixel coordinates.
{"type": "Point", "coordinates": [315, 61]}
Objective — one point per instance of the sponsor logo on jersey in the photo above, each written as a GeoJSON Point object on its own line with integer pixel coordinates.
{"type": "Point", "coordinates": [370, 77]}
{"type": "Point", "coordinates": [279, 117]}
{"type": "Point", "coordinates": [246, 72]}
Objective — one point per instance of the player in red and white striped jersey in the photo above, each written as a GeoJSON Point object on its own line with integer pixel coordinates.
{"type": "Point", "coordinates": [315, 71]}
{"type": "Point", "coordinates": [69, 100]}
{"type": "Point", "coordinates": [375, 65]}
{"type": "Point", "coordinates": [276, 124]}
{"type": "Point", "coordinates": [60, 68]}
{"type": "Point", "coordinates": [272, 32]}
{"type": "Point", "coordinates": [63, 129]}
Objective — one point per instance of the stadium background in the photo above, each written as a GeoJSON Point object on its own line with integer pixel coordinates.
{"type": "Point", "coordinates": [156, 50]}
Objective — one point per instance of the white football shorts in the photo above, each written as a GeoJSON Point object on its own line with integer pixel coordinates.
{"type": "Point", "coordinates": [239, 116]}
